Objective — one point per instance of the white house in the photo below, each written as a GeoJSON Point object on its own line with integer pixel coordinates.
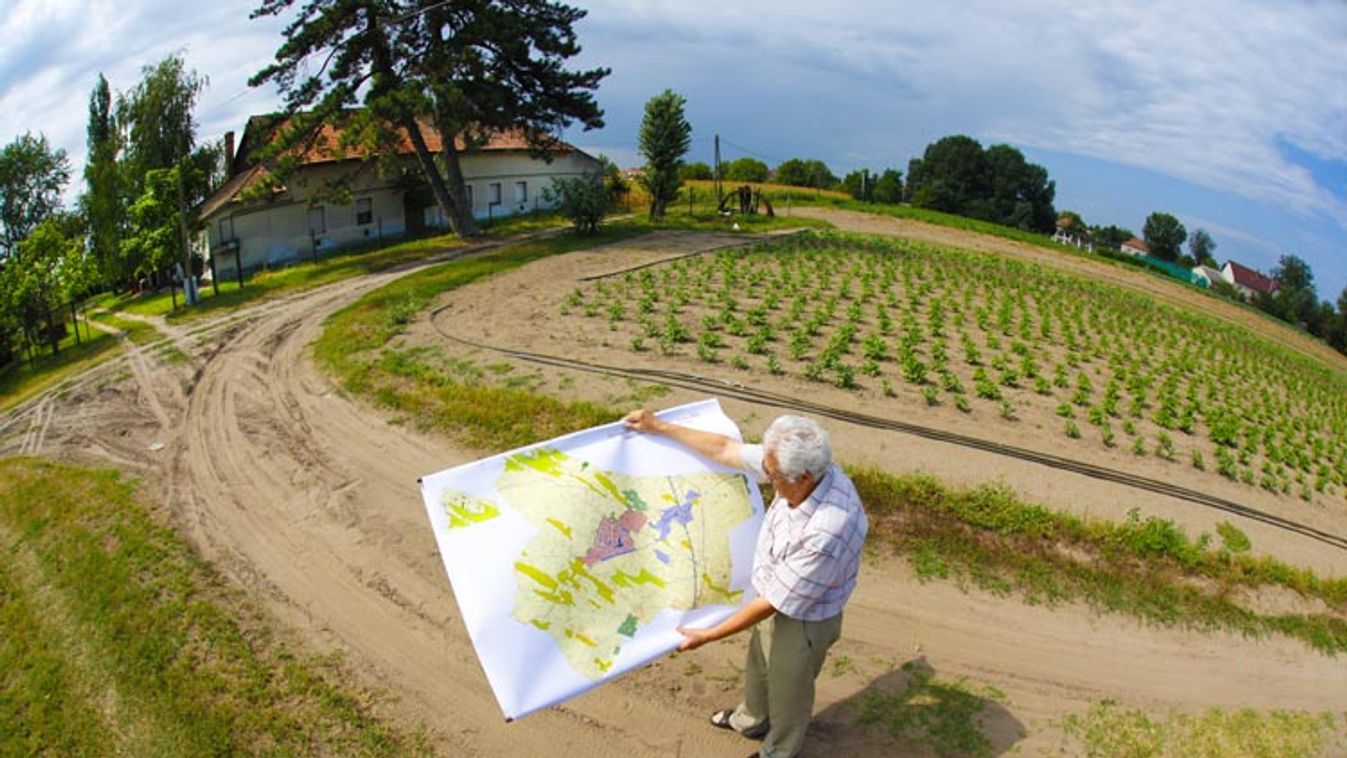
{"type": "Point", "coordinates": [1135, 246]}
{"type": "Point", "coordinates": [253, 221]}
{"type": "Point", "coordinates": [1068, 233]}
{"type": "Point", "coordinates": [1247, 281]}
{"type": "Point", "coordinates": [1208, 273]}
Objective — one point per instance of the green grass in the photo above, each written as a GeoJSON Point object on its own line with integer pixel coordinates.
{"type": "Point", "coordinates": [116, 639]}
{"type": "Point", "coordinates": [142, 334]}
{"type": "Point", "coordinates": [1144, 568]}
{"type": "Point", "coordinates": [21, 380]}
{"type": "Point", "coordinates": [290, 279]}
{"type": "Point", "coordinates": [929, 713]}
{"type": "Point", "coordinates": [1107, 730]}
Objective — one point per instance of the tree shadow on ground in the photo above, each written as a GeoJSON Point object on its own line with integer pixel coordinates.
{"type": "Point", "coordinates": [909, 711]}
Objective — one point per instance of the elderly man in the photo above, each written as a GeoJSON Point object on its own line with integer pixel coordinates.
{"type": "Point", "coordinates": [804, 569]}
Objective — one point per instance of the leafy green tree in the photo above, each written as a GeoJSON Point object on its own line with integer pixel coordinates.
{"type": "Point", "coordinates": [471, 68]}
{"type": "Point", "coordinates": [32, 176]}
{"type": "Point", "coordinates": [1164, 235]}
{"type": "Point", "coordinates": [746, 169]}
{"type": "Point", "coordinates": [102, 201]}
{"type": "Point", "coordinates": [951, 173]}
{"type": "Point", "coordinates": [161, 135]}
{"type": "Point", "coordinates": [664, 138]}
{"type": "Point", "coordinates": [889, 187]}
{"type": "Point", "coordinates": [1203, 248]}
{"type": "Point", "coordinates": [47, 268]}
{"type": "Point", "coordinates": [696, 170]}
{"type": "Point", "coordinates": [799, 172]}
{"type": "Point", "coordinates": [1110, 237]}
{"type": "Point", "coordinates": [581, 199]}
{"type": "Point", "coordinates": [860, 184]}
{"type": "Point", "coordinates": [613, 182]}
{"type": "Point", "coordinates": [156, 217]}
{"type": "Point", "coordinates": [1295, 300]}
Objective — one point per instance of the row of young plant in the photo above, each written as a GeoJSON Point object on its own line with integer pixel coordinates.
{"type": "Point", "coordinates": [966, 330]}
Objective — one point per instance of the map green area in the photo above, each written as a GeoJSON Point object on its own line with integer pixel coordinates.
{"type": "Point", "coordinates": [612, 550]}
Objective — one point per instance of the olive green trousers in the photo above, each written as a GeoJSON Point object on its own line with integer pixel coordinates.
{"type": "Point", "coordinates": [785, 656]}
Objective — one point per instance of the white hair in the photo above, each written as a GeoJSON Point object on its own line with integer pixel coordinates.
{"type": "Point", "coordinates": [801, 445]}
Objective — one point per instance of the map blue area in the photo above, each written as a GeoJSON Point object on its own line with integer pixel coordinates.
{"type": "Point", "coordinates": [678, 513]}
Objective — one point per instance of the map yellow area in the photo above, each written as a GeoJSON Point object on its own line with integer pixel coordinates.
{"type": "Point", "coordinates": [613, 550]}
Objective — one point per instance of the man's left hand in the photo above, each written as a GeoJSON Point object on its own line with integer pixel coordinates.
{"type": "Point", "coordinates": [693, 638]}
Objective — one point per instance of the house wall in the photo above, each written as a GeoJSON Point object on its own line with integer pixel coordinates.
{"type": "Point", "coordinates": [277, 232]}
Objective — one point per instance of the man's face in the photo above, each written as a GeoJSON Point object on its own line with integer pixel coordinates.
{"type": "Point", "coordinates": [794, 491]}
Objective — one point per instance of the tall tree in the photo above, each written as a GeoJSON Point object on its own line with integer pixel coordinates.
{"type": "Point", "coordinates": [889, 187]}
{"type": "Point", "coordinates": [465, 67]}
{"type": "Point", "coordinates": [32, 176]}
{"type": "Point", "coordinates": [1164, 235]}
{"type": "Point", "coordinates": [664, 139]}
{"type": "Point", "coordinates": [1203, 248]}
{"type": "Point", "coordinates": [951, 173]}
{"type": "Point", "coordinates": [102, 200]}
{"type": "Point", "coordinates": [1296, 300]}
{"type": "Point", "coordinates": [158, 112]}
{"type": "Point", "coordinates": [860, 184]}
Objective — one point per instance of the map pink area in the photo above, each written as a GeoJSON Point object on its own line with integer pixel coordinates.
{"type": "Point", "coordinates": [613, 537]}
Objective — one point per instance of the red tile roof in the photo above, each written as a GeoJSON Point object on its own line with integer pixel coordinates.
{"type": "Point", "coordinates": [325, 145]}
{"type": "Point", "coordinates": [1252, 279]}
{"type": "Point", "coordinates": [1138, 244]}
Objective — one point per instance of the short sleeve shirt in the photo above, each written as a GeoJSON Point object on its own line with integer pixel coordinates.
{"type": "Point", "coordinates": [808, 557]}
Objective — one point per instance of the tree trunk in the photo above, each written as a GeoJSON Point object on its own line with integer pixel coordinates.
{"type": "Point", "coordinates": [188, 291]}
{"type": "Point", "coordinates": [453, 202]}
{"type": "Point", "coordinates": [450, 196]}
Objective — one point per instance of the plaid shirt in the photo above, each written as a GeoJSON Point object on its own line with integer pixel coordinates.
{"type": "Point", "coordinates": [808, 556]}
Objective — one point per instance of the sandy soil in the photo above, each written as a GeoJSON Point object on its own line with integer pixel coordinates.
{"type": "Point", "coordinates": [308, 500]}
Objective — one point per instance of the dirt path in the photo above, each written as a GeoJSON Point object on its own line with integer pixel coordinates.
{"type": "Point", "coordinates": [309, 501]}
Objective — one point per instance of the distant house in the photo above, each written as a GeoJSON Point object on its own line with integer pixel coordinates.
{"type": "Point", "coordinates": [1208, 274]}
{"type": "Point", "coordinates": [1069, 233]}
{"type": "Point", "coordinates": [254, 221]}
{"type": "Point", "coordinates": [1250, 283]}
{"type": "Point", "coordinates": [1135, 246]}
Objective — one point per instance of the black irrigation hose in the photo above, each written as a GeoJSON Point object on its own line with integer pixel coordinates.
{"type": "Point", "coordinates": [749, 394]}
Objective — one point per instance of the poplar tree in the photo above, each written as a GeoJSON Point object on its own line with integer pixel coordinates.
{"type": "Point", "coordinates": [664, 139]}
{"type": "Point", "coordinates": [102, 200]}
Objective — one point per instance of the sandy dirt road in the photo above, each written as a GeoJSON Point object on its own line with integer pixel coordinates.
{"type": "Point", "coordinates": [308, 500]}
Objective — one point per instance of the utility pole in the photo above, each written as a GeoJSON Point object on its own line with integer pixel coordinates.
{"type": "Point", "coordinates": [720, 193]}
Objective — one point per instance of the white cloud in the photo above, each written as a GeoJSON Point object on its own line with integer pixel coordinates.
{"type": "Point", "coordinates": [1205, 91]}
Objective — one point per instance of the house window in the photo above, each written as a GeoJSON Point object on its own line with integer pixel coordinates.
{"type": "Point", "coordinates": [364, 211]}
{"type": "Point", "coordinates": [467, 188]}
{"type": "Point", "coordinates": [521, 192]}
{"type": "Point", "coordinates": [317, 221]}
{"type": "Point", "coordinates": [226, 228]}
{"type": "Point", "coordinates": [493, 193]}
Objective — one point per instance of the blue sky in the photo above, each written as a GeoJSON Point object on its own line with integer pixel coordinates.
{"type": "Point", "coordinates": [1231, 115]}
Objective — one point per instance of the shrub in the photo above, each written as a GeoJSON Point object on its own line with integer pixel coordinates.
{"type": "Point", "coordinates": [581, 199]}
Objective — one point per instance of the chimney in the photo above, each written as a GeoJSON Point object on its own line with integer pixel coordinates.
{"type": "Point", "coordinates": [229, 154]}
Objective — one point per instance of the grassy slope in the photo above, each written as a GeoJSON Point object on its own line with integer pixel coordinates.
{"type": "Point", "coordinates": [116, 639]}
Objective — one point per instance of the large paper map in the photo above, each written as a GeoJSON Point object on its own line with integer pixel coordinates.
{"type": "Point", "coordinates": [573, 560]}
